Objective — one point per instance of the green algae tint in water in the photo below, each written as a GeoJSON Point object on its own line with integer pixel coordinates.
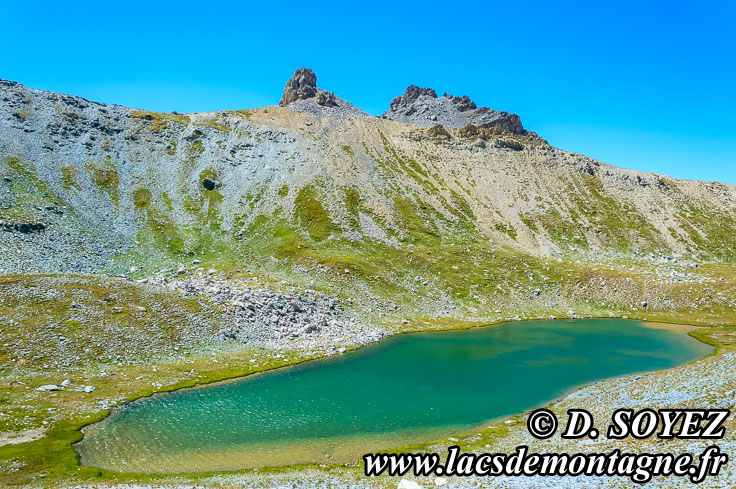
{"type": "Point", "coordinates": [404, 390]}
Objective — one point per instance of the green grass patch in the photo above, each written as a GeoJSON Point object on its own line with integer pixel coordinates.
{"type": "Point", "coordinates": [312, 215]}
{"type": "Point", "coordinates": [106, 178]}
{"type": "Point", "coordinates": [69, 177]}
{"type": "Point", "coordinates": [141, 198]}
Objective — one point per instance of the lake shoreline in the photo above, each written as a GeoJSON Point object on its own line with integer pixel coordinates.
{"type": "Point", "coordinates": [687, 377]}
{"type": "Point", "coordinates": [552, 398]}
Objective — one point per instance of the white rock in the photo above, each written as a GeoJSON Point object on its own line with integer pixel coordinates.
{"type": "Point", "coordinates": [440, 481]}
{"type": "Point", "coordinates": [407, 484]}
{"type": "Point", "coordinates": [65, 382]}
{"type": "Point", "coordinates": [48, 387]}
{"type": "Point", "coordinates": [89, 388]}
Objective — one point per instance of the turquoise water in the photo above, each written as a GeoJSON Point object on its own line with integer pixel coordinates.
{"type": "Point", "coordinates": [404, 390]}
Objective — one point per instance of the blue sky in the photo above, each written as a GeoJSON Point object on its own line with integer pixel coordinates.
{"type": "Point", "coordinates": [649, 87]}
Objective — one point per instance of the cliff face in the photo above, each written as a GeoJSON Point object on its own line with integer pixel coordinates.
{"type": "Point", "coordinates": [89, 187]}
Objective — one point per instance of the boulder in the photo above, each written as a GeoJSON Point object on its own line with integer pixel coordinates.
{"type": "Point", "coordinates": [408, 484]}
{"type": "Point", "coordinates": [326, 99]}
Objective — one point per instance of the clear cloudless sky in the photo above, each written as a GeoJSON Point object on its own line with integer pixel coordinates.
{"type": "Point", "coordinates": [645, 85]}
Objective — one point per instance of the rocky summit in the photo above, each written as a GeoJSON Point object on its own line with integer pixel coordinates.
{"type": "Point", "coordinates": [301, 93]}
{"type": "Point", "coordinates": [302, 86]}
{"type": "Point", "coordinates": [422, 107]}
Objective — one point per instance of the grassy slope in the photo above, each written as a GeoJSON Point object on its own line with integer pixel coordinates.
{"type": "Point", "coordinates": [163, 358]}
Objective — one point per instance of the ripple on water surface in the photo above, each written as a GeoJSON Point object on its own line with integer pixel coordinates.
{"type": "Point", "coordinates": [404, 390]}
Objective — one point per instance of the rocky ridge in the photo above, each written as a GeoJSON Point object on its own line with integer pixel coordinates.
{"type": "Point", "coordinates": [422, 107]}
{"type": "Point", "coordinates": [418, 106]}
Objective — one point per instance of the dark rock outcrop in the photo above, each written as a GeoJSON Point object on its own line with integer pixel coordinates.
{"type": "Point", "coordinates": [23, 227]}
{"type": "Point", "coordinates": [462, 103]}
{"type": "Point", "coordinates": [209, 183]}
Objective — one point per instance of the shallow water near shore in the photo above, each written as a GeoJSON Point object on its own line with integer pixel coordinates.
{"type": "Point", "coordinates": [404, 390]}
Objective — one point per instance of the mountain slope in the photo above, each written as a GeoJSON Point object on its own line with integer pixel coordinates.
{"type": "Point", "coordinates": [105, 181]}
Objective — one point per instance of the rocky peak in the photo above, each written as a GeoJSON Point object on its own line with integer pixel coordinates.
{"type": "Point", "coordinates": [422, 107]}
{"type": "Point", "coordinates": [411, 94]}
{"type": "Point", "coordinates": [301, 86]}
{"type": "Point", "coordinates": [301, 93]}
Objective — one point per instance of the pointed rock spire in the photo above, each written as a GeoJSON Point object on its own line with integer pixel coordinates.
{"type": "Point", "coordinates": [301, 86]}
